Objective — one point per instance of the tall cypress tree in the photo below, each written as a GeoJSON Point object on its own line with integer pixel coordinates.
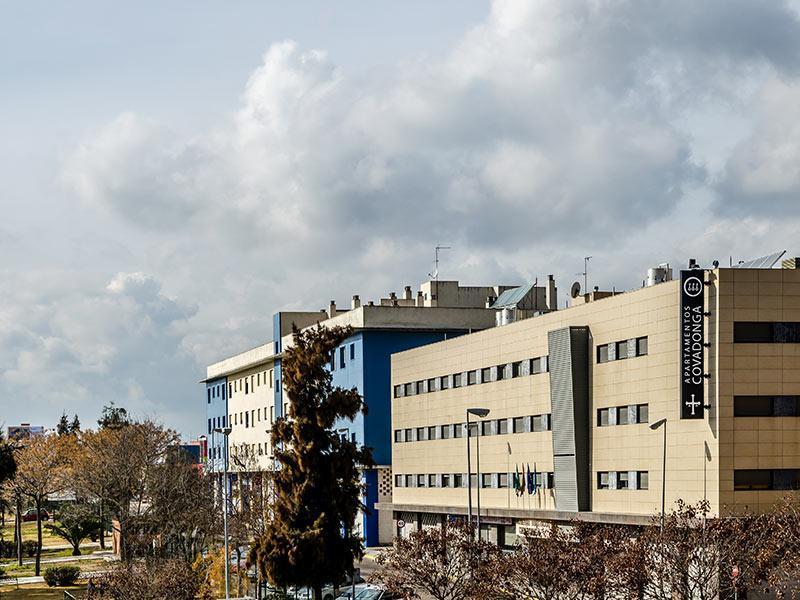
{"type": "Point", "coordinates": [310, 539]}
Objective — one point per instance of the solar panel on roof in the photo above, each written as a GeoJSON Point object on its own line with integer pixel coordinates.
{"type": "Point", "coordinates": [510, 298]}
{"type": "Point", "coordinates": [762, 262]}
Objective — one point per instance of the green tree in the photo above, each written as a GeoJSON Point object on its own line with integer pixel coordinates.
{"type": "Point", "coordinates": [76, 522]}
{"type": "Point", "coordinates": [113, 417]}
{"type": "Point", "coordinates": [67, 427]}
{"type": "Point", "coordinates": [317, 487]}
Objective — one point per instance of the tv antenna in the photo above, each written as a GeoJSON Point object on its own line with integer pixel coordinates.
{"type": "Point", "coordinates": [435, 274]}
{"type": "Point", "coordinates": [585, 273]}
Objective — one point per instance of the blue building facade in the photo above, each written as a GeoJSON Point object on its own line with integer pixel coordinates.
{"type": "Point", "coordinates": [363, 361]}
{"type": "Point", "coordinates": [216, 416]}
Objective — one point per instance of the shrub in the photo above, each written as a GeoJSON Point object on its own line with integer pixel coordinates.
{"type": "Point", "coordinates": [61, 576]}
{"type": "Point", "coordinates": [2, 573]}
{"type": "Point", "coordinates": [29, 548]}
{"type": "Point", "coordinates": [7, 549]}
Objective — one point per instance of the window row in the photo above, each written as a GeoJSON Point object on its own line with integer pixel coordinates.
{"type": "Point", "coordinates": [250, 450]}
{"type": "Point", "coordinates": [521, 368]}
{"type": "Point", "coordinates": [525, 424]}
{"type": "Point", "coordinates": [341, 354]}
{"type": "Point", "coordinates": [542, 479]}
{"type": "Point", "coordinates": [766, 406]}
{"type": "Point", "coordinates": [766, 479]}
{"type": "Point", "coordinates": [216, 423]}
{"type": "Point", "coordinates": [623, 415]}
{"type": "Point", "coordinates": [745, 332]}
{"type": "Point", "coordinates": [623, 480]}
{"type": "Point", "coordinates": [216, 391]}
{"type": "Point", "coordinates": [622, 350]}
{"type": "Point", "coordinates": [251, 382]}
{"type": "Point", "coordinates": [248, 417]}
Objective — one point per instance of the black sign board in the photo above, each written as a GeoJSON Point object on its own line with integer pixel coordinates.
{"type": "Point", "coordinates": [692, 341]}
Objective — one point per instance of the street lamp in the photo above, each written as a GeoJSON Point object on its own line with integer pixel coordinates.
{"type": "Point", "coordinates": [655, 426]}
{"type": "Point", "coordinates": [480, 413]}
{"type": "Point", "coordinates": [225, 431]}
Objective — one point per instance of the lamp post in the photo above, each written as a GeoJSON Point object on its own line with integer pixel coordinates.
{"type": "Point", "coordinates": [478, 412]}
{"type": "Point", "coordinates": [654, 426]}
{"type": "Point", "coordinates": [225, 431]}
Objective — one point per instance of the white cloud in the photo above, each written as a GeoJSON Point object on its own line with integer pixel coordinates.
{"type": "Point", "coordinates": [554, 130]}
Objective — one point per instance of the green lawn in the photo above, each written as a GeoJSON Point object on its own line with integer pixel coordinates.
{"type": "Point", "coordinates": [28, 570]}
{"type": "Point", "coordinates": [29, 532]}
{"type": "Point", "coordinates": [39, 591]}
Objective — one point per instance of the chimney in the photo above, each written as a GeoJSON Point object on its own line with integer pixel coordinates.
{"type": "Point", "coordinates": [407, 293]}
{"type": "Point", "coordinates": [392, 296]}
{"type": "Point", "coordinates": [370, 303]}
{"type": "Point", "coordinates": [332, 309]}
{"type": "Point", "coordinates": [356, 301]}
{"type": "Point", "coordinates": [551, 294]}
{"type": "Point", "coordinates": [420, 299]}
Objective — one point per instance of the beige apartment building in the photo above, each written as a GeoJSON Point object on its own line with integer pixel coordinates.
{"type": "Point", "coordinates": [572, 395]}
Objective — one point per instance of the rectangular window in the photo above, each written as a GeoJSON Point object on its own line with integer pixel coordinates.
{"type": "Point", "coordinates": [333, 360]}
{"type": "Point", "coordinates": [246, 387]}
{"type": "Point", "coordinates": [445, 432]}
{"type": "Point", "coordinates": [271, 415]}
{"type": "Point", "coordinates": [536, 366]}
{"type": "Point", "coordinates": [342, 362]}
{"type": "Point", "coordinates": [432, 384]}
{"type": "Point", "coordinates": [486, 375]}
{"type": "Point", "coordinates": [473, 429]}
{"type": "Point", "coordinates": [502, 426]}
{"type": "Point", "coordinates": [602, 480]}
{"type": "Point", "coordinates": [407, 435]}
{"type": "Point", "coordinates": [258, 380]}
{"type": "Point", "coordinates": [409, 481]}
{"type": "Point", "coordinates": [622, 350]}
{"type": "Point", "coordinates": [622, 415]}
{"type": "Point", "coordinates": [446, 480]}
{"type": "Point", "coordinates": [421, 387]}
{"type": "Point", "coordinates": [421, 481]}
{"type": "Point", "coordinates": [458, 430]}
{"type": "Point", "coordinates": [622, 480]}
{"type": "Point", "coordinates": [486, 428]}
{"type": "Point", "coordinates": [352, 351]}
{"type": "Point", "coordinates": [541, 422]}
{"type": "Point", "coordinates": [753, 333]}
{"type": "Point", "coordinates": [472, 377]}
{"type": "Point", "coordinates": [457, 380]}
{"type": "Point", "coordinates": [271, 377]}
{"type": "Point", "coordinates": [230, 387]}
{"type": "Point", "coordinates": [765, 406]}
{"type": "Point", "coordinates": [486, 480]}
{"type": "Point", "coordinates": [502, 480]}
{"type": "Point", "coordinates": [603, 417]}
{"type": "Point", "coordinates": [422, 434]}
{"type": "Point", "coordinates": [398, 391]}
{"type": "Point", "coordinates": [432, 481]}
{"type": "Point", "coordinates": [641, 346]}
{"type": "Point", "coordinates": [209, 426]}
{"type": "Point", "coordinates": [209, 396]}
{"type": "Point", "coordinates": [602, 353]}
{"type": "Point", "coordinates": [519, 424]}
{"type": "Point", "coordinates": [643, 482]}
{"type": "Point", "coordinates": [642, 413]}
{"type": "Point", "coordinates": [516, 369]}
{"type": "Point", "coordinates": [752, 479]}
{"type": "Point", "coordinates": [458, 480]}
{"type": "Point", "coordinates": [247, 419]}
{"type": "Point", "coordinates": [411, 388]}
{"type": "Point", "coordinates": [501, 372]}
{"type": "Point", "coordinates": [444, 382]}
{"type": "Point", "coordinates": [398, 481]}
{"type": "Point", "coordinates": [398, 436]}
{"type": "Point", "coordinates": [259, 415]}
{"type": "Point", "coordinates": [432, 432]}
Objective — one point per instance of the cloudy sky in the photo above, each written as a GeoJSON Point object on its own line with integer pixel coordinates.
{"type": "Point", "coordinates": [173, 173]}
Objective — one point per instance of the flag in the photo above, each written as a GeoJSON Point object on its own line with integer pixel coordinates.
{"type": "Point", "coordinates": [520, 483]}
{"type": "Point", "coordinates": [530, 479]}
{"type": "Point", "coordinates": [536, 481]}
{"type": "Point", "coordinates": [515, 481]}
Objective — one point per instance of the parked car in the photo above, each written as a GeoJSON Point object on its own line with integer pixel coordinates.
{"type": "Point", "coordinates": [30, 515]}
{"type": "Point", "coordinates": [374, 592]}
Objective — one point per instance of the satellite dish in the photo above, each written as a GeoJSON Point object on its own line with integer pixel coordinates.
{"type": "Point", "coordinates": [575, 290]}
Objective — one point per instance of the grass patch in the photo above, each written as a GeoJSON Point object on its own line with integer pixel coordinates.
{"type": "Point", "coordinates": [39, 591]}
{"type": "Point", "coordinates": [29, 532]}
{"type": "Point", "coordinates": [86, 566]}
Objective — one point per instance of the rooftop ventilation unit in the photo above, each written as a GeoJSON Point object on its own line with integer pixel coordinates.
{"type": "Point", "coordinates": [659, 274]}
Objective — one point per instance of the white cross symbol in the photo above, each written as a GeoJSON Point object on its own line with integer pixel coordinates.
{"type": "Point", "coordinates": [693, 404]}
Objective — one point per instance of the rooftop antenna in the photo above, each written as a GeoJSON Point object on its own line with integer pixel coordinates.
{"type": "Point", "coordinates": [435, 274]}
{"type": "Point", "coordinates": [585, 273]}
